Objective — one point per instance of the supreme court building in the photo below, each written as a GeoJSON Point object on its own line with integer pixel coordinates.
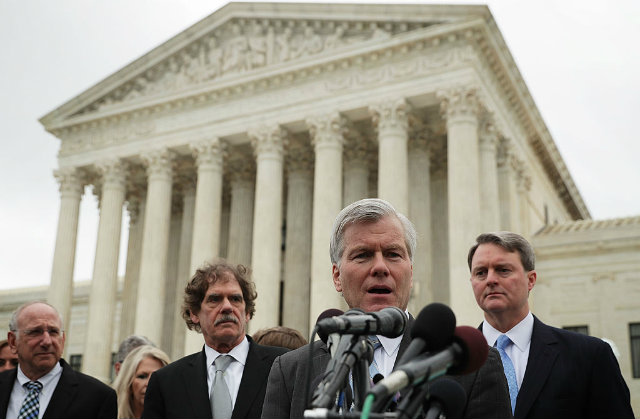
{"type": "Point", "coordinates": [244, 135]}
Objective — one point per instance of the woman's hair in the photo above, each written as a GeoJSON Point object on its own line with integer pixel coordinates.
{"type": "Point", "coordinates": [123, 381]}
{"type": "Point", "coordinates": [284, 337]}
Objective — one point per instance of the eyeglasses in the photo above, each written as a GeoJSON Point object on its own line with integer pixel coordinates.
{"type": "Point", "coordinates": [54, 332]}
{"type": "Point", "coordinates": [12, 361]}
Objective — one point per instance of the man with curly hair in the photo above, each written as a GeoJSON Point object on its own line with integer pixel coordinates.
{"type": "Point", "coordinates": [228, 378]}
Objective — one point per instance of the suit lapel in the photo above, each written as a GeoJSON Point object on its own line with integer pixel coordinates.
{"type": "Point", "coordinates": [196, 375]}
{"type": "Point", "coordinates": [253, 378]}
{"type": "Point", "coordinates": [64, 394]}
{"type": "Point", "coordinates": [6, 386]}
{"type": "Point", "coordinates": [406, 339]}
{"type": "Point", "coordinates": [542, 355]}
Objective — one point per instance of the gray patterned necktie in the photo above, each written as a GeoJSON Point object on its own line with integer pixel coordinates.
{"type": "Point", "coordinates": [31, 404]}
{"type": "Point", "coordinates": [221, 405]}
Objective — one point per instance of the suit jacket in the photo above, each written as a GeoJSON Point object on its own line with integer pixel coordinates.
{"type": "Point", "coordinates": [487, 389]}
{"type": "Point", "coordinates": [570, 375]}
{"type": "Point", "coordinates": [76, 396]}
{"type": "Point", "coordinates": [180, 390]}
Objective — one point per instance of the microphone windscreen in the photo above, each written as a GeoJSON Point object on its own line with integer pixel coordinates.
{"type": "Point", "coordinates": [451, 396]}
{"type": "Point", "coordinates": [331, 312]}
{"type": "Point", "coordinates": [474, 347]}
{"type": "Point", "coordinates": [376, 378]}
{"type": "Point", "coordinates": [435, 324]}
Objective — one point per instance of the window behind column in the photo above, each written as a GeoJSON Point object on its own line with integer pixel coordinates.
{"type": "Point", "coordinates": [634, 339]}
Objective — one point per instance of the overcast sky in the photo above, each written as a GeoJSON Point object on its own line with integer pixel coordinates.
{"type": "Point", "coordinates": [580, 60]}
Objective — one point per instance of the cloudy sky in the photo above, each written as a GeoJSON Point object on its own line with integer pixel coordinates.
{"type": "Point", "coordinates": [579, 58]}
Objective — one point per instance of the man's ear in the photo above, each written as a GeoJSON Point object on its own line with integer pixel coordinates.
{"type": "Point", "coordinates": [335, 273]}
{"type": "Point", "coordinates": [11, 338]}
{"type": "Point", "coordinates": [194, 318]}
{"type": "Point", "coordinates": [532, 276]}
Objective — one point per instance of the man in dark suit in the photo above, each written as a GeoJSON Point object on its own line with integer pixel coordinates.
{"type": "Point", "coordinates": [372, 248]}
{"type": "Point", "coordinates": [552, 373]}
{"type": "Point", "coordinates": [43, 382]}
{"type": "Point", "coordinates": [219, 301]}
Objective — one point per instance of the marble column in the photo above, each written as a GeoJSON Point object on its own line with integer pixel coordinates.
{"type": "Point", "coordinates": [155, 244]}
{"type": "Point", "coordinates": [391, 118]}
{"type": "Point", "coordinates": [328, 141]}
{"type": "Point", "coordinates": [268, 143]}
{"type": "Point", "coordinates": [460, 108]}
{"type": "Point", "coordinates": [523, 186]}
{"type": "Point", "coordinates": [208, 205]}
{"type": "Point", "coordinates": [507, 166]}
{"type": "Point", "coordinates": [104, 284]}
{"type": "Point", "coordinates": [356, 169]}
{"type": "Point", "coordinates": [297, 259]}
{"type": "Point", "coordinates": [184, 265]}
{"type": "Point", "coordinates": [136, 208]}
{"type": "Point", "coordinates": [60, 294]}
{"type": "Point", "coordinates": [241, 217]}
{"type": "Point", "coordinates": [420, 213]}
{"type": "Point", "coordinates": [489, 201]}
{"type": "Point", "coordinates": [439, 228]}
{"type": "Point", "coordinates": [172, 300]}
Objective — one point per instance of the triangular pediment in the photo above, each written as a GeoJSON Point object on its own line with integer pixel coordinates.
{"type": "Point", "coordinates": [248, 38]}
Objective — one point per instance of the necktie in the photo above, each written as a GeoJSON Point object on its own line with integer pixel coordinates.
{"type": "Point", "coordinates": [31, 404]}
{"type": "Point", "coordinates": [510, 372]}
{"type": "Point", "coordinates": [220, 397]}
{"type": "Point", "coordinates": [373, 368]}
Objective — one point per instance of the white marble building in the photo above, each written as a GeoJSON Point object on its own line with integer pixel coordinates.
{"type": "Point", "coordinates": [244, 135]}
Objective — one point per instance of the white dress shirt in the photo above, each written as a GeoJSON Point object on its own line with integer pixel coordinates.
{"type": "Point", "coordinates": [385, 356]}
{"type": "Point", "coordinates": [518, 351]}
{"type": "Point", "coordinates": [233, 373]}
{"type": "Point", "coordinates": [19, 392]}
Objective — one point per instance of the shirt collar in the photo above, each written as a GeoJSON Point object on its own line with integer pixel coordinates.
{"type": "Point", "coordinates": [520, 334]}
{"type": "Point", "coordinates": [239, 352]}
{"type": "Point", "coordinates": [391, 345]}
{"type": "Point", "coordinates": [44, 380]}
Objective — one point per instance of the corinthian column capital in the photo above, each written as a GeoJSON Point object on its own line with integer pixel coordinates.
{"type": "Point", "coordinates": [459, 102]}
{"type": "Point", "coordinates": [327, 129]}
{"type": "Point", "coordinates": [268, 139]}
{"type": "Point", "coordinates": [390, 113]}
{"type": "Point", "coordinates": [71, 180]}
{"type": "Point", "coordinates": [209, 152]}
{"type": "Point", "coordinates": [159, 163]}
{"type": "Point", "coordinates": [113, 172]}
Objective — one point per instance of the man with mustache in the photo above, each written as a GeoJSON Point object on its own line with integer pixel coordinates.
{"type": "Point", "coordinates": [228, 378]}
{"type": "Point", "coordinates": [551, 373]}
{"type": "Point", "coordinates": [44, 385]}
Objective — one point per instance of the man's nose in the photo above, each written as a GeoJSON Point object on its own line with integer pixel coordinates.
{"type": "Point", "coordinates": [380, 267]}
{"type": "Point", "coordinates": [492, 277]}
{"type": "Point", "coordinates": [46, 338]}
{"type": "Point", "coordinates": [226, 305]}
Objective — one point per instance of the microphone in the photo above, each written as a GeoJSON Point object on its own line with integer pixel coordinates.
{"type": "Point", "coordinates": [389, 322]}
{"type": "Point", "coordinates": [331, 340]}
{"type": "Point", "coordinates": [447, 398]}
{"type": "Point", "coordinates": [432, 331]}
{"type": "Point", "coordinates": [467, 353]}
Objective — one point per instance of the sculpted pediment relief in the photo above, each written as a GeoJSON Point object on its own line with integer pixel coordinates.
{"type": "Point", "coordinates": [244, 45]}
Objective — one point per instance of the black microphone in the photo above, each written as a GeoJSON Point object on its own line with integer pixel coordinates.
{"type": "Point", "coordinates": [331, 340]}
{"type": "Point", "coordinates": [432, 331]}
{"type": "Point", "coordinates": [446, 398]}
{"type": "Point", "coordinates": [466, 354]}
{"type": "Point", "coordinates": [389, 322]}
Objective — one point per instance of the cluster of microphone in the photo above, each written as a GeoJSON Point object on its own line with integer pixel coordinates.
{"type": "Point", "coordinates": [437, 348]}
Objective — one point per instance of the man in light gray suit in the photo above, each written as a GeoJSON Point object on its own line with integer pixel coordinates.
{"type": "Point", "coordinates": [372, 248]}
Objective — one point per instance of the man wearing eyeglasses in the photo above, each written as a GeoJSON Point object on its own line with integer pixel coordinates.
{"type": "Point", "coordinates": [8, 358]}
{"type": "Point", "coordinates": [44, 385]}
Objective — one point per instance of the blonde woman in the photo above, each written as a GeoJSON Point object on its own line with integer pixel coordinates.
{"type": "Point", "coordinates": [131, 383]}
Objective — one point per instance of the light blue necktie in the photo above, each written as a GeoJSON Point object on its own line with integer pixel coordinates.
{"type": "Point", "coordinates": [509, 372]}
